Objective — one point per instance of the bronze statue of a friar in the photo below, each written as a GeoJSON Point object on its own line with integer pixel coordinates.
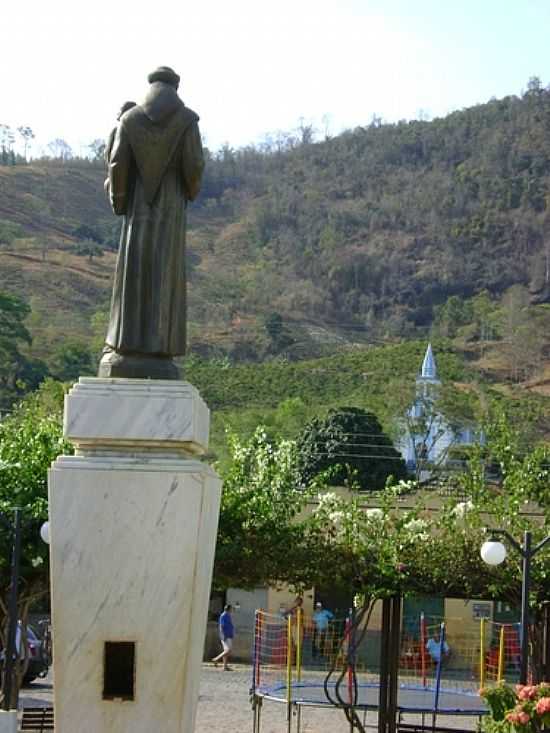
{"type": "Point", "coordinates": [155, 165]}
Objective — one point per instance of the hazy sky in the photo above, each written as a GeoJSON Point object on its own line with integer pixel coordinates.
{"type": "Point", "coordinates": [250, 67]}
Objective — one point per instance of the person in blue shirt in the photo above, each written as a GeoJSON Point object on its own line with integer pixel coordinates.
{"type": "Point", "coordinates": [227, 632]}
{"type": "Point", "coordinates": [435, 649]}
{"type": "Point", "coordinates": [321, 618]}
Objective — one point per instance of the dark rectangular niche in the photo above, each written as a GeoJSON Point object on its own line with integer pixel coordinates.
{"type": "Point", "coordinates": [119, 670]}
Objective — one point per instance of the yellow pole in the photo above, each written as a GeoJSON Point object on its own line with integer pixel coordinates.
{"type": "Point", "coordinates": [299, 623]}
{"type": "Point", "coordinates": [289, 660]}
{"type": "Point", "coordinates": [500, 675]}
{"type": "Point", "coordinates": [482, 653]}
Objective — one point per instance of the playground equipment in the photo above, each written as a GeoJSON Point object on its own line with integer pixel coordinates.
{"type": "Point", "coordinates": [345, 666]}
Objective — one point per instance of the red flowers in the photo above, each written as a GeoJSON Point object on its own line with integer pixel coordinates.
{"type": "Point", "coordinates": [526, 707]}
{"type": "Point", "coordinates": [543, 706]}
{"type": "Point", "coordinates": [526, 692]}
{"type": "Point", "coordinates": [518, 717]}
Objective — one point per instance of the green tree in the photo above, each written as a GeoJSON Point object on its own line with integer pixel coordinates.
{"type": "Point", "coordinates": [97, 149]}
{"type": "Point", "coordinates": [522, 347]}
{"type": "Point", "coordinates": [259, 535]}
{"type": "Point", "coordinates": [89, 249]}
{"type": "Point", "coordinates": [72, 360]}
{"type": "Point", "coordinates": [13, 312]}
{"type": "Point", "coordinates": [7, 139]}
{"type": "Point", "coordinates": [453, 314]}
{"type": "Point", "coordinates": [9, 231]}
{"type": "Point", "coordinates": [277, 332]}
{"type": "Point", "coordinates": [60, 149]}
{"type": "Point", "coordinates": [98, 323]}
{"type": "Point", "coordinates": [484, 312]}
{"type": "Point", "coordinates": [349, 443]}
{"type": "Point", "coordinates": [86, 232]}
{"type": "Point", "coordinates": [31, 374]}
{"type": "Point", "coordinates": [30, 439]}
{"type": "Point", "coordinates": [27, 135]}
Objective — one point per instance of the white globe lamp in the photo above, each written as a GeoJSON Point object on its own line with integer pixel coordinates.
{"type": "Point", "coordinates": [493, 552]}
{"type": "Point", "coordinates": [45, 532]}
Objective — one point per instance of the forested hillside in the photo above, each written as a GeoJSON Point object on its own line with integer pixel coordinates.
{"type": "Point", "coordinates": [301, 245]}
{"type": "Point", "coordinates": [380, 224]}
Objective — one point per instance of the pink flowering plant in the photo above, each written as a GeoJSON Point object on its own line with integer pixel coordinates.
{"type": "Point", "coordinates": [525, 708]}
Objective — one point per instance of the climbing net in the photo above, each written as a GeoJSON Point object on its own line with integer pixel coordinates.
{"type": "Point", "coordinates": [292, 658]}
{"type": "Point", "coordinates": [461, 656]}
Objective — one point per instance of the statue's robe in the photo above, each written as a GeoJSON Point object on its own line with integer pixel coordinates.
{"type": "Point", "coordinates": [155, 167]}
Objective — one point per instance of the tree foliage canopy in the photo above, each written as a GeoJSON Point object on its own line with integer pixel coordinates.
{"type": "Point", "coordinates": [350, 444]}
{"type": "Point", "coordinates": [17, 372]}
{"type": "Point", "coordinates": [259, 526]}
{"type": "Point", "coordinates": [30, 440]}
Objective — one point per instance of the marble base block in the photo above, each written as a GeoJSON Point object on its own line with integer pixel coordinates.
{"type": "Point", "coordinates": [136, 413]}
{"type": "Point", "coordinates": [133, 534]}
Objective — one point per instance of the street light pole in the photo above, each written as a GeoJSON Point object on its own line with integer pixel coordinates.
{"type": "Point", "coordinates": [527, 552]}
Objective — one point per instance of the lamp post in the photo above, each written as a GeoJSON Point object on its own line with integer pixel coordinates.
{"type": "Point", "coordinates": [493, 552]}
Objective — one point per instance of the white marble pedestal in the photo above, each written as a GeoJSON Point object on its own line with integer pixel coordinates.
{"type": "Point", "coordinates": [133, 520]}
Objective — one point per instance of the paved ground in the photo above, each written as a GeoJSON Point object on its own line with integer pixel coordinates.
{"type": "Point", "coordinates": [224, 706]}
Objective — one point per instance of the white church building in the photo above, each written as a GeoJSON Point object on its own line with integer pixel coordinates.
{"type": "Point", "coordinates": [427, 435]}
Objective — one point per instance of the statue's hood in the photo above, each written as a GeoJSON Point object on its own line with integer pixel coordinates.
{"type": "Point", "coordinates": [154, 129]}
{"type": "Point", "coordinates": [161, 101]}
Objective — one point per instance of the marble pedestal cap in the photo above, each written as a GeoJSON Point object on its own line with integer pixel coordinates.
{"type": "Point", "coordinates": [136, 414]}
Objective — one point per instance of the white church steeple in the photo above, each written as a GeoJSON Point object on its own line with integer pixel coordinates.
{"type": "Point", "coordinates": [429, 369]}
